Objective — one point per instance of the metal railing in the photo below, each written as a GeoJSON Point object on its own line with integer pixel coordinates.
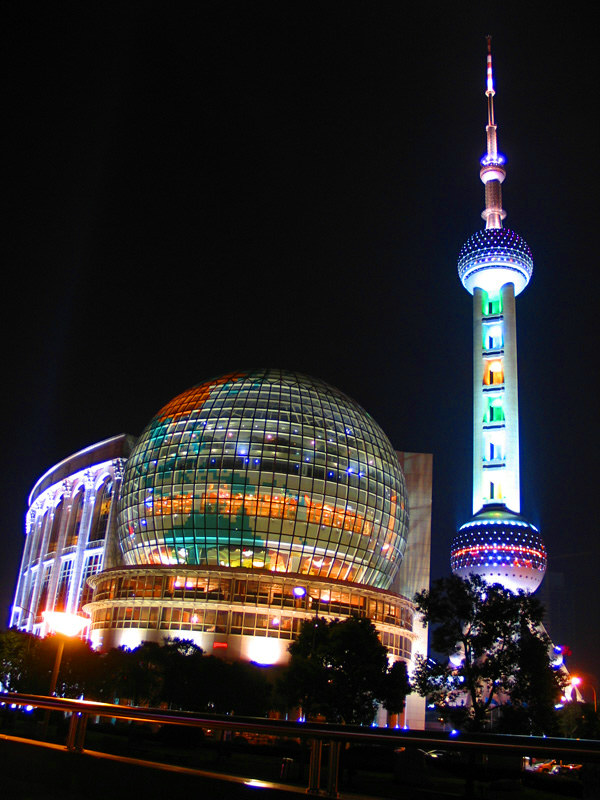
{"type": "Point", "coordinates": [315, 734]}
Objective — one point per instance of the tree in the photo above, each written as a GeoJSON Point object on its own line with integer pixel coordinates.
{"type": "Point", "coordinates": [498, 649]}
{"type": "Point", "coordinates": [579, 721]}
{"type": "Point", "coordinates": [182, 662]}
{"type": "Point", "coordinates": [536, 688]}
{"type": "Point", "coordinates": [26, 663]}
{"type": "Point", "coordinates": [396, 688]}
{"type": "Point", "coordinates": [338, 669]}
{"type": "Point", "coordinates": [136, 675]}
{"type": "Point", "coordinates": [14, 659]}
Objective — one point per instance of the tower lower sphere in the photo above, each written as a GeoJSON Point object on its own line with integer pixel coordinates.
{"type": "Point", "coordinates": [501, 547]}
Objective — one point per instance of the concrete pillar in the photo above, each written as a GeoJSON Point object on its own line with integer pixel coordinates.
{"type": "Point", "coordinates": [478, 400]}
{"type": "Point", "coordinates": [56, 563]}
{"type": "Point", "coordinates": [19, 611]}
{"type": "Point", "coordinates": [82, 540]}
{"type": "Point", "coordinates": [112, 550]}
{"type": "Point", "coordinates": [511, 486]}
{"type": "Point", "coordinates": [44, 534]}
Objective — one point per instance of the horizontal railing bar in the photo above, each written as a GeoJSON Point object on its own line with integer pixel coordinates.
{"type": "Point", "coordinates": [584, 749]}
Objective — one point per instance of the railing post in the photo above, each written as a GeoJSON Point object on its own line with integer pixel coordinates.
{"type": "Point", "coordinates": [81, 731]}
{"type": "Point", "coordinates": [314, 767]}
{"type": "Point", "coordinates": [77, 728]}
{"type": "Point", "coordinates": [333, 769]}
{"type": "Point", "coordinates": [73, 725]}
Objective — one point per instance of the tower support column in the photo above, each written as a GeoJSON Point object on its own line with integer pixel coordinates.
{"type": "Point", "coordinates": [478, 399]}
{"type": "Point", "coordinates": [512, 496]}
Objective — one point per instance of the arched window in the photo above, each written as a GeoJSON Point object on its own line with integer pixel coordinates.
{"type": "Point", "coordinates": [62, 590]}
{"type": "Point", "coordinates": [39, 533]}
{"type": "Point", "coordinates": [101, 513]}
{"type": "Point", "coordinates": [53, 540]}
{"type": "Point", "coordinates": [43, 596]}
{"type": "Point", "coordinates": [91, 567]}
{"type": "Point", "coordinates": [75, 520]}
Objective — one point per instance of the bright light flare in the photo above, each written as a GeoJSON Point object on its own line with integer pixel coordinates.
{"type": "Point", "coordinates": [67, 624]}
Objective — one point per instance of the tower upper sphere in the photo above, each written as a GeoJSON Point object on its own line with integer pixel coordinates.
{"type": "Point", "coordinates": [495, 256]}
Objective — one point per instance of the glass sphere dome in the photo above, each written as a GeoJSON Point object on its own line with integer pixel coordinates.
{"type": "Point", "coordinates": [501, 547]}
{"type": "Point", "coordinates": [266, 469]}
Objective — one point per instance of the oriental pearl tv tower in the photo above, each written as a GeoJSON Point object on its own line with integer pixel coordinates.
{"type": "Point", "coordinates": [495, 265]}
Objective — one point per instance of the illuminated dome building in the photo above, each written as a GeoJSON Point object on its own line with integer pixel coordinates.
{"type": "Point", "coordinates": [495, 265]}
{"type": "Point", "coordinates": [249, 504]}
{"type": "Point", "coordinates": [266, 470]}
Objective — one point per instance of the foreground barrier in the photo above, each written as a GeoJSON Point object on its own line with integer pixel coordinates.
{"type": "Point", "coordinates": [315, 734]}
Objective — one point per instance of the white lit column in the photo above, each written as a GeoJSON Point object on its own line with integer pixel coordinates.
{"type": "Point", "coordinates": [478, 400]}
{"type": "Point", "coordinates": [511, 490]}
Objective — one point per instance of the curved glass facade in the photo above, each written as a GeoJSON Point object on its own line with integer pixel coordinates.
{"type": "Point", "coordinates": [215, 605]}
{"type": "Point", "coordinates": [270, 470]}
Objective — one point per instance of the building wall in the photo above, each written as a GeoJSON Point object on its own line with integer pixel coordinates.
{"type": "Point", "coordinates": [231, 612]}
{"type": "Point", "coordinates": [71, 515]}
{"type": "Point", "coordinates": [414, 573]}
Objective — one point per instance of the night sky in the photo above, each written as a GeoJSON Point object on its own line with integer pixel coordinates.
{"type": "Point", "coordinates": [201, 188]}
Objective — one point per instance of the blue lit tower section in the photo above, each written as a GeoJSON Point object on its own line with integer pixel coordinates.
{"type": "Point", "coordinates": [495, 265]}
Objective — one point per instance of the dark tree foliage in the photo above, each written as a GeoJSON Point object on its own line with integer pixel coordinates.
{"type": "Point", "coordinates": [26, 664]}
{"type": "Point", "coordinates": [15, 648]}
{"type": "Point", "coordinates": [176, 673]}
{"type": "Point", "coordinates": [535, 690]}
{"type": "Point", "coordinates": [134, 675]}
{"type": "Point", "coordinates": [505, 652]}
{"type": "Point", "coordinates": [579, 721]}
{"type": "Point", "coordinates": [182, 664]}
{"type": "Point", "coordinates": [339, 669]}
{"type": "Point", "coordinates": [180, 675]}
{"type": "Point", "coordinates": [397, 687]}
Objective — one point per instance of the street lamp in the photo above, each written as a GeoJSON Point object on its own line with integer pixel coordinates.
{"type": "Point", "coordinates": [576, 681]}
{"type": "Point", "coordinates": [66, 625]}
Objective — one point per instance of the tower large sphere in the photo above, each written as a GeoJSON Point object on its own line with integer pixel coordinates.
{"type": "Point", "coordinates": [266, 469]}
{"type": "Point", "coordinates": [501, 547]}
{"type": "Point", "coordinates": [493, 257]}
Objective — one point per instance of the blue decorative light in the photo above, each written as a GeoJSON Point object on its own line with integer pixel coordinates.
{"type": "Point", "coordinates": [487, 160]}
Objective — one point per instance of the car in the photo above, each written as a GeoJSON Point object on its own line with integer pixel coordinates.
{"type": "Point", "coordinates": [542, 766]}
{"type": "Point", "coordinates": [566, 769]}
{"type": "Point", "coordinates": [443, 755]}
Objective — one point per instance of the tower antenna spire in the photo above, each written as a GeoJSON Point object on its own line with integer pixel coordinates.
{"type": "Point", "coordinates": [490, 82]}
{"type": "Point", "coordinates": [492, 171]}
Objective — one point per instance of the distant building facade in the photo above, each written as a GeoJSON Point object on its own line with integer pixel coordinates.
{"type": "Point", "coordinates": [70, 516]}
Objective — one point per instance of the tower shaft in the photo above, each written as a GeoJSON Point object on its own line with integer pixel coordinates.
{"type": "Point", "coordinates": [495, 400]}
